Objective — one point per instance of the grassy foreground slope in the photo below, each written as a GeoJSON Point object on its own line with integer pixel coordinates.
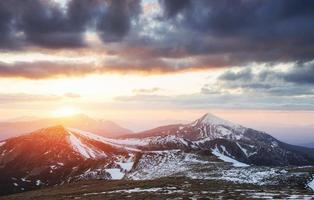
{"type": "Point", "coordinates": [164, 188]}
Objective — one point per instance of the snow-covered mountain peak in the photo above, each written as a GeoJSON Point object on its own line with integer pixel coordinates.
{"type": "Point", "coordinates": [210, 119]}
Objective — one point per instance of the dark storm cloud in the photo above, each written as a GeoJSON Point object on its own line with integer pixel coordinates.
{"type": "Point", "coordinates": [297, 81]}
{"type": "Point", "coordinates": [40, 23]}
{"type": "Point", "coordinates": [299, 73]}
{"type": "Point", "coordinates": [46, 24]}
{"type": "Point", "coordinates": [5, 26]}
{"type": "Point", "coordinates": [173, 7]}
{"type": "Point", "coordinates": [303, 74]}
{"type": "Point", "coordinates": [185, 34]}
{"type": "Point", "coordinates": [241, 75]}
{"type": "Point", "coordinates": [116, 20]}
{"type": "Point", "coordinates": [224, 34]}
{"type": "Point", "coordinates": [248, 31]}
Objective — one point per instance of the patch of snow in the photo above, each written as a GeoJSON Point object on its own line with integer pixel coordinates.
{"type": "Point", "coordinates": [127, 166]}
{"type": "Point", "coordinates": [198, 142]}
{"type": "Point", "coordinates": [102, 139]}
{"type": "Point", "coordinates": [238, 136]}
{"type": "Point", "coordinates": [252, 175]}
{"type": "Point", "coordinates": [302, 167]}
{"type": "Point", "coordinates": [252, 153]}
{"type": "Point", "coordinates": [164, 151]}
{"type": "Point", "coordinates": [137, 190]}
{"type": "Point", "coordinates": [163, 164]}
{"type": "Point", "coordinates": [304, 197]}
{"type": "Point", "coordinates": [194, 123]}
{"type": "Point", "coordinates": [93, 173]}
{"type": "Point", "coordinates": [15, 184]}
{"type": "Point", "coordinates": [223, 131]}
{"type": "Point", "coordinates": [166, 190]}
{"type": "Point", "coordinates": [274, 144]}
{"type": "Point", "coordinates": [224, 150]}
{"type": "Point", "coordinates": [115, 173]}
{"type": "Point", "coordinates": [25, 180]}
{"type": "Point", "coordinates": [311, 185]}
{"type": "Point", "coordinates": [38, 182]}
{"type": "Point", "coordinates": [132, 142]}
{"type": "Point", "coordinates": [183, 141]}
{"type": "Point", "coordinates": [2, 143]}
{"type": "Point", "coordinates": [53, 167]}
{"type": "Point", "coordinates": [83, 149]}
{"type": "Point", "coordinates": [225, 158]}
{"type": "Point", "coordinates": [245, 151]}
{"type": "Point", "coordinates": [193, 159]}
{"type": "Point", "coordinates": [129, 141]}
{"type": "Point", "coordinates": [212, 119]}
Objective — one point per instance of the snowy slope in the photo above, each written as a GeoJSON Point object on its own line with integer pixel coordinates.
{"type": "Point", "coordinates": [83, 149]}
{"type": "Point", "coordinates": [57, 155]}
{"type": "Point", "coordinates": [102, 139]}
{"type": "Point", "coordinates": [211, 119]}
{"type": "Point", "coordinates": [243, 144]}
{"type": "Point", "coordinates": [222, 156]}
{"type": "Point", "coordinates": [311, 185]}
{"type": "Point", "coordinates": [208, 148]}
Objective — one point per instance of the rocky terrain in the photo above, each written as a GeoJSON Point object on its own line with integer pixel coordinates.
{"type": "Point", "coordinates": [163, 188]}
{"type": "Point", "coordinates": [198, 158]}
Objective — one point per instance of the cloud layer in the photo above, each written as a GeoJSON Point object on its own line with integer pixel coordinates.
{"type": "Point", "coordinates": [49, 25]}
{"type": "Point", "coordinates": [211, 33]}
{"type": "Point", "coordinates": [169, 36]}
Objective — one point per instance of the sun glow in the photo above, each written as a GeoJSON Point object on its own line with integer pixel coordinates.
{"type": "Point", "coordinates": [65, 112]}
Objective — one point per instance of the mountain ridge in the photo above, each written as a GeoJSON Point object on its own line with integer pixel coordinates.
{"type": "Point", "coordinates": [249, 145]}
{"type": "Point", "coordinates": [103, 127]}
{"type": "Point", "coordinates": [59, 154]}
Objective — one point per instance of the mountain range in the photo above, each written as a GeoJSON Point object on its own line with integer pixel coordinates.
{"type": "Point", "coordinates": [24, 125]}
{"type": "Point", "coordinates": [309, 145]}
{"type": "Point", "coordinates": [208, 148]}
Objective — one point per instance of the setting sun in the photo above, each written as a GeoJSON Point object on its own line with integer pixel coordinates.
{"type": "Point", "coordinates": [65, 112]}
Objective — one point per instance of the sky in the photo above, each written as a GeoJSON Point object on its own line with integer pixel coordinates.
{"type": "Point", "coordinates": [145, 63]}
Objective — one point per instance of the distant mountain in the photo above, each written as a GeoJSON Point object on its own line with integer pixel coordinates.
{"type": "Point", "coordinates": [208, 148]}
{"type": "Point", "coordinates": [211, 132]}
{"type": "Point", "coordinates": [24, 125]}
{"type": "Point", "coordinates": [309, 145]}
{"type": "Point", "coordinates": [57, 155]}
